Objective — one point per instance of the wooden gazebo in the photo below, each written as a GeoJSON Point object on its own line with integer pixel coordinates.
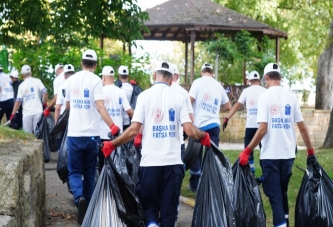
{"type": "Point", "coordinates": [198, 20]}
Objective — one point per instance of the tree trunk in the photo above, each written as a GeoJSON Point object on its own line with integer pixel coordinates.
{"type": "Point", "coordinates": [325, 77]}
{"type": "Point", "coordinates": [328, 142]}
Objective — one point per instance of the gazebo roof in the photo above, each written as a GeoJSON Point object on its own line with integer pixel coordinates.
{"type": "Point", "coordinates": [173, 19]}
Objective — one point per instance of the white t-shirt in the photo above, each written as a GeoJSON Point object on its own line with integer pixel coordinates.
{"type": "Point", "coordinates": [116, 103]}
{"type": "Point", "coordinates": [279, 108]}
{"type": "Point", "coordinates": [60, 79]}
{"type": "Point", "coordinates": [6, 88]}
{"type": "Point", "coordinates": [61, 94]}
{"type": "Point", "coordinates": [128, 89]}
{"type": "Point", "coordinates": [180, 90]}
{"type": "Point", "coordinates": [83, 89]}
{"type": "Point", "coordinates": [161, 111]}
{"type": "Point", "coordinates": [209, 95]}
{"type": "Point", "coordinates": [30, 94]}
{"type": "Point", "coordinates": [250, 97]}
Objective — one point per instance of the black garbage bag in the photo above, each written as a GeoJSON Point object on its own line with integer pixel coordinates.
{"type": "Point", "coordinates": [314, 203]}
{"type": "Point", "coordinates": [248, 206]}
{"type": "Point", "coordinates": [114, 202]}
{"type": "Point", "coordinates": [133, 158]}
{"type": "Point", "coordinates": [136, 91]}
{"type": "Point", "coordinates": [42, 131]}
{"type": "Point", "coordinates": [59, 129]}
{"type": "Point", "coordinates": [62, 167]}
{"type": "Point", "coordinates": [213, 204]}
{"type": "Point", "coordinates": [191, 153]}
{"type": "Point", "coordinates": [16, 122]}
{"type": "Point", "coordinates": [53, 140]}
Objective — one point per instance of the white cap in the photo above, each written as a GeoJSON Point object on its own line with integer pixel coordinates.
{"type": "Point", "coordinates": [69, 68]}
{"type": "Point", "coordinates": [25, 69]}
{"type": "Point", "coordinates": [271, 67]}
{"type": "Point", "coordinates": [254, 75]}
{"type": "Point", "coordinates": [176, 71]}
{"type": "Point", "coordinates": [165, 66]}
{"type": "Point", "coordinates": [206, 65]}
{"type": "Point", "coordinates": [14, 73]}
{"type": "Point", "coordinates": [58, 66]}
{"type": "Point", "coordinates": [107, 71]}
{"type": "Point", "coordinates": [89, 55]}
{"type": "Point", "coordinates": [123, 70]}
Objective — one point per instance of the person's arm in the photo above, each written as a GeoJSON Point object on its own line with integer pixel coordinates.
{"type": "Point", "coordinates": [130, 113]}
{"type": "Point", "coordinates": [15, 108]}
{"type": "Point", "coordinates": [57, 113]}
{"type": "Point", "coordinates": [68, 105]}
{"type": "Point", "coordinates": [305, 135]}
{"type": "Point", "coordinates": [234, 109]}
{"type": "Point", "coordinates": [53, 102]}
{"type": "Point", "coordinates": [102, 111]}
{"type": "Point", "coordinates": [225, 106]}
{"type": "Point", "coordinates": [191, 115]}
{"type": "Point", "coordinates": [193, 131]}
{"type": "Point", "coordinates": [192, 100]}
{"type": "Point", "coordinates": [127, 135]}
{"type": "Point", "coordinates": [258, 136]}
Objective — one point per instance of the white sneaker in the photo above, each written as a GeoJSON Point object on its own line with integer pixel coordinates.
{"type": "Point", "coordinates": [153, 225]}
{"type": "Point", "coordinates": [176, 224]}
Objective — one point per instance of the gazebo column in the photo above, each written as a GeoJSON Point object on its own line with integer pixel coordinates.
{"type": "Point", "coordinates": [192, 54]}
{"type": "Point", "coordinates": [186, 62]}
{"type": "Point", "coordinates": [277, 49]}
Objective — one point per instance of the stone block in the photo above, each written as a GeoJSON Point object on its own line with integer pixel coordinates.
{"type": "Point", "coordinates": [311, 121]}
{"type": "Point", "coordinates": [7, 221]}
{"type": "Point", "coordinates": [322, 121]}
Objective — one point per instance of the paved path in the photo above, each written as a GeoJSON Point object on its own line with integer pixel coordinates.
{"type": "Point", "coordinates": [60, 207]}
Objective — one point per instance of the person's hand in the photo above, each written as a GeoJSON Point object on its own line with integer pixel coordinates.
{"type": "Point", "coordinates": [311, 157]}
{"type": "Point", "coordinates": [44, 105]}
{"type": "Point", "coordinates": [46, 112]}
{"type": "Point", "coordinates": [137, 140]}
{"type": "Point", "coordinates": [12, 117]}
{"type": "Point", "coordinates": [133, 82]}
{"type": "Point", "coordinates": [244, 156]}
{"type": "Point", "coordinates": [114, 129]}
{"type": "Point", "coordinates": [205, 140]}
{"type": "Point", "coordinates": [107, 148]}
{"type": "Point", "coordinates": [225, 123]}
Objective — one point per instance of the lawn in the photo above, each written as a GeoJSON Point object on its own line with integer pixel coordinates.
{"type": "Point", "coordinates": [324, 157]}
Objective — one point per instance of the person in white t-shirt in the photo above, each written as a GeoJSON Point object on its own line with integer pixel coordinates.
{"type": "Point", "coordinates": [61, 94]}
{"type": "Point", "coordinates": [30, 93]}
{"type": "Point", "coordinates": [249, 97]}
{"type": "Point", "coordinates": [208, 97]}
{"type": "Point", "coordinates": [6, 95]}
{"type": "Point", "coordinates": [278, 111]}
{"type": "Point", "coordinates": [115, 102]}
{"type": "Point", "coordinates": [57, 82]}
{"type": "Point", "coordinates": [161, 112]}
{"type": "Point", "coordinates": [85, 100]}
{"type": "Point", "coordinates": [127, 87]}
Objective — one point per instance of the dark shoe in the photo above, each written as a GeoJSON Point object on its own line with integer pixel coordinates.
{"type": "Point", "coordinates": [81, 208]}
{"type": "Point", "coordinates": [260, 180]}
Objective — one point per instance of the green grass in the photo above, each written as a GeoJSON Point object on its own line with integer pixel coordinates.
{"type": "Point", "coordinates": [323, 157]}
{"type": "Point", "coordinates": [9, 135]}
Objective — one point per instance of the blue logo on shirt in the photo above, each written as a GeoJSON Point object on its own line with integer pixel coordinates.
{"type": "Point", "coordinates": [171, 115]}
{"type": "Point", "coordinates": [86, 93]}
{"type": "Point", "coordinates": [32, 89]}
{"type": "Point", "coordinates": [216, 101]}
{"type": "Point", "coordinates": [287, 109]}
{"type": "Point", "coordinates": [120, 100]}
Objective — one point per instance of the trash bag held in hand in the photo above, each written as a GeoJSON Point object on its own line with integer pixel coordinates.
{"type": "Point", "coordinates": [62, 166]}
{"type": "Point", "coordinates": [314, 204]}
{"type": "Point", "coordinates": [249, 210]}
{"type": "Point", "coordinates": [53, 140]}
{"type": "Point", "coordinates": [136, 91]}
{"type": "Point", "coordinates": [61, 125]}
{"type": "Point", "coordinates": [42, 132]}
{"type": "Point", "coordinates": [213, 204]}
{"type": "Point", "coordinates": [133, 158]}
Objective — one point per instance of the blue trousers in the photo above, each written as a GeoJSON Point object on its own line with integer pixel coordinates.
{"type": "Point", "coordinates": [195, 170]}
{"type": "Point", "coordinates": [82, 159]}
{"type": "Point", "coordinates": [249, 134]}
{"type": "Point", "coordinates": [159, 191]}
{"type": "Point", "coordinates": [277, 174]}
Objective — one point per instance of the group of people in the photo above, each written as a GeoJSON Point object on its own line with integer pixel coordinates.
{"type": "Point", "coordinates": [163, 113]}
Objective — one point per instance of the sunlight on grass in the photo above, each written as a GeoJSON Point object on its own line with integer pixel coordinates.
{"type": "Point", "coordinates": [323, 157]}
{"type": "Point", "coordinates": [9, 135]}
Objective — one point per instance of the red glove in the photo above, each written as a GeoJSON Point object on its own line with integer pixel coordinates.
{"type": "Point", "coordinates": [114, 129]}
{"type": "Point", "coordinates": [205, 140]}
{"type": "Point", "coordinates": [310, 152]}
{"type": "Point", "coordinates": [137, 140]}
{"type": "Point", "coordinates": [133, 82]}
{"type": "Point", "coordinates": [11, 117]}
{"type": "Point", "coordinates": [225, 123]}
{"type": "Point", "coordinates": [46, 112]}
{"type": "Point", "coordinates": [107, 148]}
{"type": "Point", "coordinates": [244, 156]}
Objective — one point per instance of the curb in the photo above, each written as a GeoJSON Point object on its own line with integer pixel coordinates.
{"type": "Point", "coordinates": [187, 201]}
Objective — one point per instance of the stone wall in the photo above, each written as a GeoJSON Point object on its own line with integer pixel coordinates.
{"type": "Point", "coordinates": [315, 120]}
{"type": "Point", "coordinates": [22, 184]}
